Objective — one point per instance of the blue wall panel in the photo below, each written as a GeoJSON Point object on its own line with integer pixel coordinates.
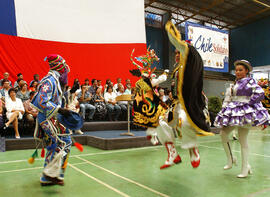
{"type": "Point", "coordinates": [154, 39]}
{"type": "Point", "coordinates": [251, 42]}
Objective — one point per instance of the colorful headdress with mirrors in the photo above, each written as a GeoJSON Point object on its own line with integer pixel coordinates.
{"type": "Point", "coordinates": [144, 62]}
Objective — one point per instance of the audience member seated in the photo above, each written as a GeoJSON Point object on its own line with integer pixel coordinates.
{"type": "Point", "coordinates": [23, 94]}
{"type": "Point", "coordinates": [111, 104]}
{"type": "Point", "coordinates": [123, 104]}
{"type": "Point", "coordinates": [108, 82]}
{"type": "Point", "coordinates": [116, 86]}
{"type": "Point", "coordinates": [127, 82]}
{"type": "Point", "coordinates": [128, 89]}
{"type": "Point", "coordinates": [4, 90]}
{"type": "Point", "coordinates": [1, 115]}
{"type": "Point", "coordinates": [99, 85]}
{"type": "Point", "coordinates": [75, 83]}
{"type": "Point", "coordinates": [6, 76]}
{"type": "Point", "coordinates": [36, 79]}
{"type": "Point", "coordinates": [72, 102]}
{"type": "Point", "coordinates": [99, 103]}
{"type": "Point", "coordinates": [15, 111]}
{"type": "Point", "coordinates": [170, 98]}
{"type": "Point", "coordinates": [87, 84]}
{"type": "Point", "coordinates": [20, 82]}
{"type": "Point", "coordinates": [19, 77]}
{"type": "Point", "coordinates": [162, 95]}
{"type": "Point", "coordinates": [33, 86]}
{"type": "Point", "coordinates": [93, 88]}
{"type": "Point", "coordinates": [30, 112]}
{"type": "Point", "coordinates": [84, 98]}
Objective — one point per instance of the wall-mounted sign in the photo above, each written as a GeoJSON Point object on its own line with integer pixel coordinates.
{"type": "Point", "coordinates": [212, 44]}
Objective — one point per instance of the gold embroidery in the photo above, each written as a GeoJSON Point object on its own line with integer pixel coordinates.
{"type": "Point", "coordinates": [141, 85]}
{"type": "Point", "coordinates": [146, 109]}
{"type": "Point", "coordinates": [175, 39]}
{"type": "Point", "coordinates": [141, 119]}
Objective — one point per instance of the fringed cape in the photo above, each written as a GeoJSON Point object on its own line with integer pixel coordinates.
{"type": "Point", "coordinates": [190, 81]}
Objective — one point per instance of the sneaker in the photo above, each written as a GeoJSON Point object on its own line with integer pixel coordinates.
{"type": "Point", "coordinates": [54, 180]}
{"type": "Point", "coordinates": [45, 182]}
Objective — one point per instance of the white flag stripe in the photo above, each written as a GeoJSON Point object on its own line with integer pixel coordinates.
{"type": "Point", "coordinates": [81, 21]}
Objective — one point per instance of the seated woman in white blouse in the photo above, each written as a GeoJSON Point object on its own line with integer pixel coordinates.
{"type": "Point", "coordinates": [111, 104]}
{"type": "Point", "coordinates": [15, 110]}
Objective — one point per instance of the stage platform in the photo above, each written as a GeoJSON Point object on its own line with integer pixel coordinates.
{"type": "Point", "coordinates": [102, 135]}
{"type": "Point", "coordinates": [106, 140]}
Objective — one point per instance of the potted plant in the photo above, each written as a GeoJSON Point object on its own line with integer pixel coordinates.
{"type": "Point", "coordinates": [214, 106]}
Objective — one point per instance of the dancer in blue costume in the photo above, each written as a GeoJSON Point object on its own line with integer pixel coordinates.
{"type": "Point", "coordinates": [242, 108]}
{"type": "Point", "coordinates": [48, 101]}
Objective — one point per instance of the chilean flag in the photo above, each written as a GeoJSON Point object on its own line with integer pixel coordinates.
{"type": "Point", "coordinates": [95, 37]}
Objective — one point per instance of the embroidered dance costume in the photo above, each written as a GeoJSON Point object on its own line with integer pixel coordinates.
{"type": "Point", "coordinates": [187, 112]}
{"type": "Point", "coordinates": [48, 101]}
{"type": "Point", "coordinates": [188, 108]}
{"type": "Point", "coordinates": [242, 105]}
{"type": "Point", "coordinates": [242, 108]}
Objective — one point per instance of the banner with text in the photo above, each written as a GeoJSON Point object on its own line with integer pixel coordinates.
{"type": "Point", "coordinates": [212, 44]}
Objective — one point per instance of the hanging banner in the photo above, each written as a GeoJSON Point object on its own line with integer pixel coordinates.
{"type": "Point", "coordinates": [212, 44]}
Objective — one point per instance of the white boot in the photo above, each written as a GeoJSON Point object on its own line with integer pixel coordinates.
{"type": "Point", "coordinates": [234, 135]}
{"type": "Point", "coordinates": [230, 159]}
{"type": "Point", "coordinates": [173, 156]}
{"type": "Point", "coordinates": [194, 157]}
{"type": "Point", "coordinates": [153, 139]}
{"type": "Point", "coordinates": [151, 135]}
{"type": "Point", "coordinates": [246, 168]}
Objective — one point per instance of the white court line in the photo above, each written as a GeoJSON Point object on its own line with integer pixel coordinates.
{"type": "Point", "coordinates": [19, 170]}
{"type": "Point", "coordinates": [268, 156]}
{"type": "Point", "coordinates": [15, 161]}
{"type": "Point", "coordinates": [99, 181]}
{"type": "Point", "coordinates": [105, 152]}
{"type": "Point", "coordinates": [90, 154]}
{"type": "Point", "coordinates": [110, 152]}
{"type": "Point", "coordinates": [25, 169]}
{"type": "Point", "coordinates": [126, 179]}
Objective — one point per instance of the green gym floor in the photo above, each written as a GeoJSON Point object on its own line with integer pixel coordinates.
{"type": "Point", "coordinates": [135, 172]}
